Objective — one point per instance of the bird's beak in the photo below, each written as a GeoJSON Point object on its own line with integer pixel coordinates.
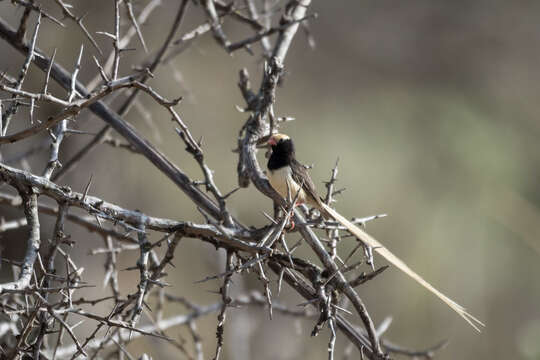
{"type": "Point", "coordinates": [271, 142]}
{"type": "Point", "coordinates": [262, 143]}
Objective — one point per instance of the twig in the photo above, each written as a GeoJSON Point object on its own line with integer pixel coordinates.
{"type": "Point", "coordinates": [197, 340]}
{"type": "Point", "coordinates": [21, 31]}
{"type": "Point", "coordinates": [48, 73]}
{"type": "Point", "coordinates": [126, 106]}
{"type": "Point", "coordinates": [253, 13]}
{"type": "Point", "coordinates": [147, 329]}
{"type": "Point", "coordinates": [85, 222]}
{"type": "Point", "coordinates": [116, 42]}
{"type": "Point", "coordinates": [215, 24]}
{"type": "Point", "coordinates": [70, 331]}
{"type": "Point", "coordinates": [225, 236]}
{"type": "Point", "coordinates": [332, 341]}
{"type": "Point", "coordinates": [60, 128]}
{"type": "Point", "coordinates": [365, 278]}
{"type": "Point", "coordinates": [142, 264]}
{"type": "Point", "coordinates": [262, 35]}
{"type": "Point", "coordinates": [72, 92]}
{"type": "Point", "coordinates": [125, 40]}
{"type": "Point", "coordinates": [12, 110]}
{"type": "Point", "coordinates": [37, 8]}
{"type": "Point", "coordinates": [237, 269]}
{"type": "Point", "coordinates": [426, 354]}
{"type": "Point", "coordinates": [226, 300]}
{"type": "Point", "coordinates": [359, 338]}
{"type": "Point", "coordinates": [266, 283]}
{"type": "Point", "coordinates": [48, 269]}
{"type": "Point", "coordinates": [78, 20]}
{"type": "Point", "coordinates": [298, 11]}
{"type": "Point", "coordinates": [132, 18]}
{"type": "Point", "coordinates": [32, 244]}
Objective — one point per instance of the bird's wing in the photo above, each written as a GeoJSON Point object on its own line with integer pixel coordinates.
{"type": "Point", "coordinates": [378, 247]}
{"type": "Point", "coordinates": [301, 176]}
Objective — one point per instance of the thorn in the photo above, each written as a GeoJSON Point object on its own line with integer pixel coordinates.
{"type": "Point", "coordinates": [87, 188]}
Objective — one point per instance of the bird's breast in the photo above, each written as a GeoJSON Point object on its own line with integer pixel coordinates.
{"type": "Point", "coordinates": [282, 181]}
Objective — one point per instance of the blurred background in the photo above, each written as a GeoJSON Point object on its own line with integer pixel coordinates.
{"type": "Point", "coordinates": [431, 107]}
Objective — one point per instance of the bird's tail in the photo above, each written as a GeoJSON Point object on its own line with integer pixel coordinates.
{"type": "Point", "coordinates": [378, 247]}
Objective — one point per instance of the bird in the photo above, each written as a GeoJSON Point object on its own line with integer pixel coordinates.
{"type": "Point", "coordinates": [291, 180]}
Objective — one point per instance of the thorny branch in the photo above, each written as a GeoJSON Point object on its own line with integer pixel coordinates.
{"type": "Point", "coordinates": [225, 300]}
{"type": "Point", "coordinates": [33, 242]}
{"type": "Point", "coordinates": [42, 303]}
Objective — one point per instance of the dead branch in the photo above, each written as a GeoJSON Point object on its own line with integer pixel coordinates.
{"type": "Point", "coordinates": [43, 304]}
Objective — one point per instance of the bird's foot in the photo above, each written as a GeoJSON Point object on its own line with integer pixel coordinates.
{"type": "Point", "coordinates": [290, 226]}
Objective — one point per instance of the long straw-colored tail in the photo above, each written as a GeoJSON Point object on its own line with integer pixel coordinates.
{"type": "Point", "coordinates": [378, 247]}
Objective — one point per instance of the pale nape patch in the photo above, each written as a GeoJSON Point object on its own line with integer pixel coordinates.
{"type": "Point", "coordinates": [278, 137]}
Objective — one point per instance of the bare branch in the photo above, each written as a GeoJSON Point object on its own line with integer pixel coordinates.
{"type": "Point", "coordinates": [102, 134]}
{"type": "Point", "coordinates": [12, 110]}
{"type": "Point", "coordinates": [32, 244]}
{"type": "Point", "coordinates": [116, 39]}
{"type": "Point", "coordinates": [44, 300]}
{"type": "Point", "coordinates": [215, 24]}
{"type": "Point", "coordinates": [37, 8]}
{"type": "Point", "coordinates": [68, 351]}
{"type": "Point", "coordinates": [133, 19]}
{"type": "Point", "coordinates": [78, 20]}
{"type": "Point", "coordinates": [142, 264]}
{"type": "Point", "coordinates": [226, 300]}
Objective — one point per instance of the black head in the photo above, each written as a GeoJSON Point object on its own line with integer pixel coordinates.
{"type": "Point", "coordinates": [282, 151]}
